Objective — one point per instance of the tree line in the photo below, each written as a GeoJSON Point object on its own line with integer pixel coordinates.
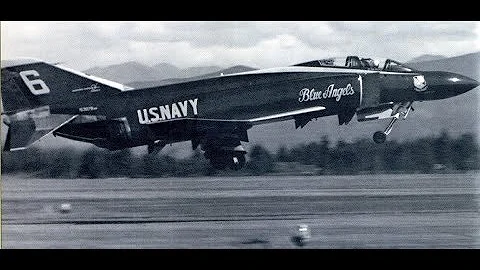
{"type": "Point", "coordinates": [441, 153]}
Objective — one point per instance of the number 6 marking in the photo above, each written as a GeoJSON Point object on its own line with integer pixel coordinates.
{"type": "Point", "coordinates": [31, 83]}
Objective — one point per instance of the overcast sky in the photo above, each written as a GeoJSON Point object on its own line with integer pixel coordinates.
{"type": "Point", "coordinates": [82, 45]}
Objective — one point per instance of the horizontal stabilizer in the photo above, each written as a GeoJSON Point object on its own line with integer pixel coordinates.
{"type": "Point", "coordinates": [24, 133]}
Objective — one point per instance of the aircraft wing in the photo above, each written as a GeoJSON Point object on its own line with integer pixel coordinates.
{"type": "Point", "coordinates": [202, 128]}
{"type": "Point", "coordinates": [253, 121]}
{"type": "Point", "coordinates": [221, 129]}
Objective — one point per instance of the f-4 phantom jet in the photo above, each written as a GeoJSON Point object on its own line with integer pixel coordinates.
{"type": "Point", "coordinates": [215, 113]}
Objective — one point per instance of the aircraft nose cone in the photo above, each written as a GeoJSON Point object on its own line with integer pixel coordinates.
{"type": "Point", "coordinates": [473, 83]}
{"type": "Point", "coordinates": [460, 83]}
{"type": "Point", "coordinates": [447, 84]}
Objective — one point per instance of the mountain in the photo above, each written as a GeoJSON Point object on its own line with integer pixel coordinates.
{"type": "Point", "coordinates": [198, 71]}
{"type": "Point", "coordinates": [164, 71]}
{"type": "Point", "coordinates": [129, 72]}
{"type": "Point", "coordinates": [168, 71]}
{"type": "Point", "coordinates": [231, 70]}
{"type": "Point", "coordinates": [426, 57]}
{"type": "Point", "coordinates": [235, 69]}
{"type": "Point", "coordinates": [125, 72]}
{"type": "Point", "coordinates": [467, 64]}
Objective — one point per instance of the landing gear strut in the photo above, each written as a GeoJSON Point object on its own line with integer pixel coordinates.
{"type": "Point", "coordinates": [402, 110]}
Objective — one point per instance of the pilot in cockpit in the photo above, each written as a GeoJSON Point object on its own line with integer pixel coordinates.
{"type": "Point", "coordinates": [370, 63]}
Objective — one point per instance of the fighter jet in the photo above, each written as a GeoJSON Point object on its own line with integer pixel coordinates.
{"type": "Point", "coordinates": [215, 113]}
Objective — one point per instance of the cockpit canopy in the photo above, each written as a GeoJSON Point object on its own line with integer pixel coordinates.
{"type": "Point", "coordinates": [379, 64]}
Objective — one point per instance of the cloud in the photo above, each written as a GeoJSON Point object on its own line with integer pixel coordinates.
{"type": "Point", "coordinates": [261, 44]}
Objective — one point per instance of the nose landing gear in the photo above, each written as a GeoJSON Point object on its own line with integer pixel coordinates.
{"type": "Point", "coordinates": [402, 110]}
{"type": "Point", "coordinates": [379, 137]}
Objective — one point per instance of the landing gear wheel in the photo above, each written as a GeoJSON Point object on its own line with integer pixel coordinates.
{"type": "Point", "coordinates": [226, 154]}
{"type": "Point", "coordinates": [379, 137]}
{"type": "Point", "coordinates": [237, 161]}
{"type": "Point", "coordinates": [221, 160]}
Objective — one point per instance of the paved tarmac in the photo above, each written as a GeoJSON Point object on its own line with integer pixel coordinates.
{"type": "Point", "coordinates": [366, 211]}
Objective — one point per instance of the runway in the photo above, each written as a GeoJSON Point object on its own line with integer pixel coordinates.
{"type": "Point", "coordinates": [366, 211]}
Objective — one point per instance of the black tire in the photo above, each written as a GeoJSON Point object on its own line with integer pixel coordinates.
{"type": "Point", "coordinates": [221, 160]}
{"type": "Point", "coordinates": [379, 137]}
{"type": "Point", "coordinates": [219, 163]}
{"type": "Point", "coordinates": [237, 161]}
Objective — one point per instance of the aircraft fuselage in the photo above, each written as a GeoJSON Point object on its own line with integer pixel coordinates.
{"type": "Point", "coordinates": [214, 113]}
{"type": "Point", "coordinates": [250, 95]}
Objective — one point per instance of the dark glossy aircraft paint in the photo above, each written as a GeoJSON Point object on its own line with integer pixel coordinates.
{"type": "Point", "coordinates": [215, 113]}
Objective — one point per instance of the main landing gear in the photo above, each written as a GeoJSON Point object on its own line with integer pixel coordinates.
{"type": "Point", "coordinates": [155, 147]}
{"type": "Point", "coordinates": [401, 111]}
{"type": "Point", "coordinates": [226, 157]}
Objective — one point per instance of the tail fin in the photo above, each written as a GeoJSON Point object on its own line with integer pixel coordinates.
{"type": "Point", "coordinates": [30, 86]}
{"type": "Point", "coordinates": [29, 83]}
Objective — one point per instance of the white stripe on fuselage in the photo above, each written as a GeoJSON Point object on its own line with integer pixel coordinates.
{"type": "Point", "coordinates": [360, 79]}
{"type": "Point", "coordinates": [315, 70]}
{"type": "Point", "coordinates": [254, 121]}
{"type": "Point", "coordinates": [116, 85]}
{"type": "Point", "coordinates": [287, 114]}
